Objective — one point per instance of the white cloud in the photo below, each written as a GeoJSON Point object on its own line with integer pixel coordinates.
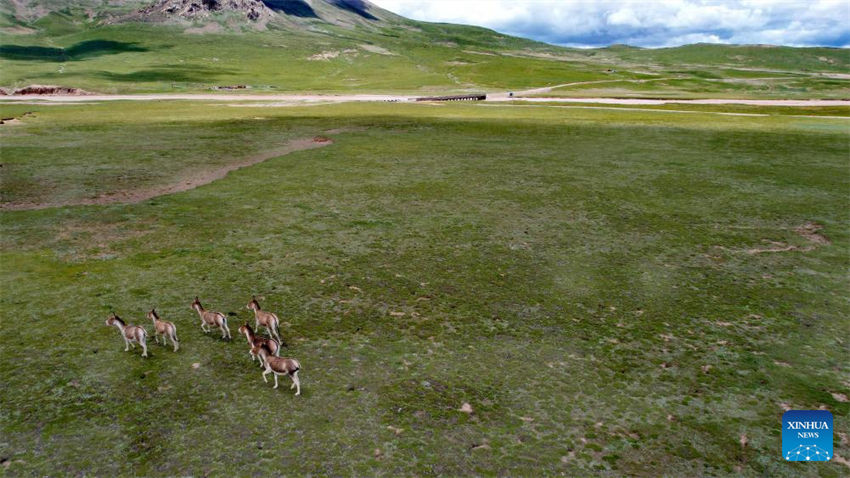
{"type": "Point", "coordinates": [646, 23]}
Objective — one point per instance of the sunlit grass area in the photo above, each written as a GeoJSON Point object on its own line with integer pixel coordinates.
{"type": "Point", "coordinates": [624, 291]}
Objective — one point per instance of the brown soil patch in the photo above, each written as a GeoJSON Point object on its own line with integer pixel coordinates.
{"type": "Point", "coordinates": [186, 183]}
{"type": "Point", "coordinates": [774, 247]}
{"type": "Point", "coordinates": [809, 231]}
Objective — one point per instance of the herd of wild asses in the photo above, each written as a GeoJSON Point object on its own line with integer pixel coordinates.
{"type": "Point", "coordinates": [266, 350]}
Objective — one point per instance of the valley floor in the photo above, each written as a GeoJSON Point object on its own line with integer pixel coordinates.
{"type": "Point", "coordinates": [487, 289]}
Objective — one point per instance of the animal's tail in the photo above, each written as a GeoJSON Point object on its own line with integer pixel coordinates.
{"type": "Point", "coordinates": [297, 365]}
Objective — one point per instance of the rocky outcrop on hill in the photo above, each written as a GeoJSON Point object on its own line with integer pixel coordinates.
{"type": "Point", "coordinates": [253, 9]}
{"type": "Point", "coordinates": [48, 90]}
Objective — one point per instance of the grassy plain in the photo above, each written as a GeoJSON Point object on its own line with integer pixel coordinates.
{"type": "Point", "coordinates": [586, 279]}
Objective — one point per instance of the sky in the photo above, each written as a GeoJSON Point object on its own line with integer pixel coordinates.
{"type": "Point", "coordinates": [646, 23]}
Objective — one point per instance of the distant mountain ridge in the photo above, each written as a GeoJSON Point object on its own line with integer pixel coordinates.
{"type": "Point", "coordinates": [256, 11]}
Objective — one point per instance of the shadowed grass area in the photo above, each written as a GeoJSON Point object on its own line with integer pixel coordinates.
{"type": "Point", "coordinates": [581, 278]}
{"type": "Point", "coordinates": [77, 52]}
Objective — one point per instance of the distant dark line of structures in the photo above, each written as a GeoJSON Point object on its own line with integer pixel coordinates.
{"type": "Point", "coordinates": [480, 97]}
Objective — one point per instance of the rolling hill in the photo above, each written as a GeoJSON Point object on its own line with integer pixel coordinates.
{"type": "Point", "coordinates": [351, 45]}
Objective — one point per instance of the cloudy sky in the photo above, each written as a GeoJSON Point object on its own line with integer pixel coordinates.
{"type": "Point", "coordinates": [659, 23]}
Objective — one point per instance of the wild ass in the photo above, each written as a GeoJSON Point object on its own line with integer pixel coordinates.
{"type": "Point", "coordinates": [130, 333]}
{"type": "Point", "coordinates": [266, 319]}
{"type": "Point", "coordinates": [279, 366]}
{"type": "Point", "coordinates": [210, 318]}
{"type": "Point", "coordinates": [256, 341]}
{"type": "Point", "coordinates": [162, 327]}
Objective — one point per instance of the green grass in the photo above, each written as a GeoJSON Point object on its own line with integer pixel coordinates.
{"type": "Point", "coordinates": [567, 272]}
{"type": "Point", "coordinates": [772, 88]}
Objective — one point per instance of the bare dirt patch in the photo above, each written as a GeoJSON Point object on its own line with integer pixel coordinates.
{"type": "Point", "coordinates": [377, 49]}
{"type": "Point", "coordinates": [324, 56]}
{"type": "Point", "coordinates": [191, 181]}
{"type": "Point", "coordinates": [809, 231]}
{"type": "Point", "coordinates": [329, 55]}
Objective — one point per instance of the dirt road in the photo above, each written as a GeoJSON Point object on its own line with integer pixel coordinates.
{"type": "Point", "coordinates": [289, 100]}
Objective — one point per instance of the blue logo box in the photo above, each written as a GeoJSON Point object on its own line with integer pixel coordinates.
{"type": "Point", "coordinates": [807, 435]}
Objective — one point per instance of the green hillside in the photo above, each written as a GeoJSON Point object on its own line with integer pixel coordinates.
{"type": "Point", "coordinates": [107, 47]}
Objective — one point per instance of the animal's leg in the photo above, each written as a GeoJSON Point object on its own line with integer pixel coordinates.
{"type": "Point", "coordinates": [275, 380]}
{"type": "Point", "coordinates": [126, 345]}
{"type": "Point", "coordinates": [297, 383]}
{"type": "Point", "coordinates": [264, 375]}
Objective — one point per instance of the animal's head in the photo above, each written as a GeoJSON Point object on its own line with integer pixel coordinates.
{"type": "Point", "coordinates": [153, 315]}
{"type": "Point", "coordinates": [253, 305]}
{"type": "Point", "coordinates": [244, 328]}
{"type": "Point", "coordinates": [113, 319]}
{"type": "Point", "coordinates": [196, 304]}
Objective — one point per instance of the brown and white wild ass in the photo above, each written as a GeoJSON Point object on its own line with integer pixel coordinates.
{"type": "Point", "coordinates": [211, 318]}
{"type": "Point", "coordinates": [266, 319]}
{"type": "Point", "coordinates": [256, 341]}
{"type": "Point", "coordinates": [279, 366]}
{"type": "Point", "coordinates": [162, 327]}
{"type": "Point", "coordinates": [130, 333]}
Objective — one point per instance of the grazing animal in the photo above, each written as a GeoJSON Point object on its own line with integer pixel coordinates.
{"type": "Point", "coordinates": [167, 329]}
{"type": "Point", "coordinates": [255, 341]}
{"type": "Point", "coordinates": [210, 318]}
{"type": "Point", "coordinates": [266, 319]}
{"type": "Point", "coordinates": [130, 333]}
{"type": "Point", "coordinates": [279, 366]}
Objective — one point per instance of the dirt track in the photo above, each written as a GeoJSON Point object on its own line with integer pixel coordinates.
{"type": "Point", "coordinates": [184, 183]}
{"type": "Point", "coordinates": [286, 100]}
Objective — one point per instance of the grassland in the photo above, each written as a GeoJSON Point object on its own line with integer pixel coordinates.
{"type": "Point", "coordinates": [588, 280]}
